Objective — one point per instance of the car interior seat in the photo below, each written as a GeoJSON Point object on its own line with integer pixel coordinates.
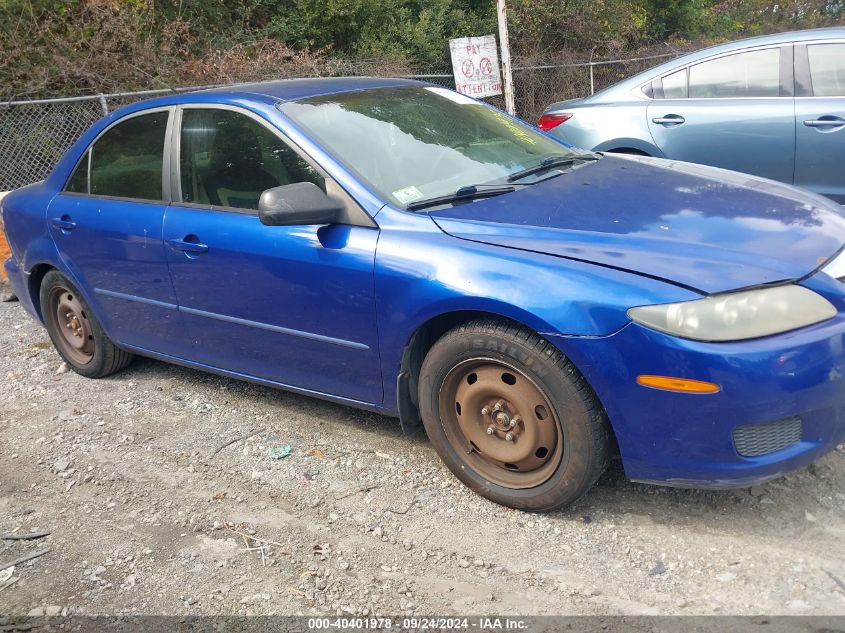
{"type": "Point", "coordinates": [237, 171]}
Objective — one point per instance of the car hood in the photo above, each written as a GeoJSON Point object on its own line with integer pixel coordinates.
{"type": "Point", "coordinates": [707, 229]}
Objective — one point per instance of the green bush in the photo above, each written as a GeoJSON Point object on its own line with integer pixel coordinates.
{"type": "Point", "coordinates": [62, 47]}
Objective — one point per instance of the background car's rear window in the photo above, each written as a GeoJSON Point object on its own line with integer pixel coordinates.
{"type": "Point", "coordinates": [675, 85]}
{"type": "Point", "coordinates": [749, 74]}
{"type": "Point", "coordinates": [827, 69]}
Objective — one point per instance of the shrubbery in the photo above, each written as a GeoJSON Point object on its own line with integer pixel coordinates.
{"type": "Point", "coordinates": [62, 47]}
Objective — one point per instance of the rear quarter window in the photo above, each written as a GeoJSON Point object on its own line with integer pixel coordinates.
{"type": "Point", "coordinates": [78, 182]}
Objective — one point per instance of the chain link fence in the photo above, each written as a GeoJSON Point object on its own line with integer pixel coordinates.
{"type": "Point", "coordinates": [35, 134]}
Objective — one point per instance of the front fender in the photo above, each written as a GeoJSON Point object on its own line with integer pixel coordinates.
{"type": "Point", "coordinates": [422, 274]}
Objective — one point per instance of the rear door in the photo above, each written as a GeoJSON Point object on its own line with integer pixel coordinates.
{"type": "Point", "coordinates": [107, 225]}
{"type": "Point", "coordinates": [820, 118]}
{"type": "Point", "coordinates": [734, 111]}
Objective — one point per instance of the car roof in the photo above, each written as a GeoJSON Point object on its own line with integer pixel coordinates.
{"type": "Point", "coordinates": [616, 90]}
{"type": "Point", "coordinates": [294, 89]}
{"type": "Point", "coordinates": [268, 92]}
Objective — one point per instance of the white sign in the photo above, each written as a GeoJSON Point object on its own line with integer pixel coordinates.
{"type": "Point", "coordinates": [475, 63]}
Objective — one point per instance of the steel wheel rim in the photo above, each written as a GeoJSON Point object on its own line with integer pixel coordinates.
{"type": "Point", "coordinates": [74, 334]}
{"type": "Point", "coordinates": [501, 423]}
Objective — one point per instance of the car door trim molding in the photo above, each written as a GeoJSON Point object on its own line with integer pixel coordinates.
{"type": "Point", "coordinates": [96, 196]}
{"type": "Point", "coordinates": [230, 319]}
{"type": "Point", "coordinates": [275, 328]}
{"type": "Point", "coordinates": [121, 295]}
{"type": "Point", "coordinates": [231, 373]}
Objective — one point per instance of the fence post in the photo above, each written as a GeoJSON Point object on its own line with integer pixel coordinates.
{"type": "Point", "coordinates": [507, 76]}
{"type": "Point", "coordinates": [592, 80]}
{"type": "Point", "coordinates": [104, 104]}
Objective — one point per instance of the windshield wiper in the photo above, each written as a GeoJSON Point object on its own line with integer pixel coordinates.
{"type": "Point", "coordinates": [470, 192]}
{"type": "Point", "coordinates": [552, 161]}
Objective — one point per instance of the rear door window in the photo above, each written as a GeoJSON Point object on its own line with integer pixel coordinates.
{"type": "Point", "coordinates": [126, 161]}
{"type": "Point", "coordinates": [750, 74]}
{"type": "Point", "coordinates": [675, 85]}
{"type": "Point", "coordinates": [827, 69]}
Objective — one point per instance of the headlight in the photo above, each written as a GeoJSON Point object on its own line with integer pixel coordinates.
{"type": "Point", "coordinates": [738, 315]}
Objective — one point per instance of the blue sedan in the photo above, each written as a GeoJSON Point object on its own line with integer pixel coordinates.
{"type": "Point", "coordinates": [401, 248]}
{"type": "Point", "coordinates": [771, 106]}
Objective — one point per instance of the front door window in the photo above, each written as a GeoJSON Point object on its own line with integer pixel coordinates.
{"type": "Point", "coordinates": [228, 159]}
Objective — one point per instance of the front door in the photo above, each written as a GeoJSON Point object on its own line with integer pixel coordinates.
{"type": "Point", "coordinates": [729, 112]}
{"type": "Point", "coordinates": [820, 119]}
{"type": "Point", "coordinates": [107, 225]}
{"type": "Point", "coordinates": [291, 304]}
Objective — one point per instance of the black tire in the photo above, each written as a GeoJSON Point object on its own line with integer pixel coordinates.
{"type": "Point", "coordinates": [582, 426]}
{"type": "Point", "coordinates": [94, 355]}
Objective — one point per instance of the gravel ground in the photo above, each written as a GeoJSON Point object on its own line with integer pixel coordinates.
{"type": "Point", "coordinates": [154, 482]}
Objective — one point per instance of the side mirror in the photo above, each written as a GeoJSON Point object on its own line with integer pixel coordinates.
{"type": "Point", "coordinates": [298, 203]}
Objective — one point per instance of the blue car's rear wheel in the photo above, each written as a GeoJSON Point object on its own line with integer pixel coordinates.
{"type": "Point", "coordinates": [512, 417]}
{"type": "Point", "coordinates": [76, 334]}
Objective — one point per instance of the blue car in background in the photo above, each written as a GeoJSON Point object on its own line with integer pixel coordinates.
{"type": "Point", "coordinates": [771, 106]}
{"type": "Point", "coordinates": [398, 247]}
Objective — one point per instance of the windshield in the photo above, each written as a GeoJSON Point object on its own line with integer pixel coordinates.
{"type": "Point", "coordinates": [412, 143]}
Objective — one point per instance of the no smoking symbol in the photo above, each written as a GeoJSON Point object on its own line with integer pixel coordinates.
{"type": "Point", "coordinates": [467, 68]}
{"type": "Point", "coordinates": [486, 66]}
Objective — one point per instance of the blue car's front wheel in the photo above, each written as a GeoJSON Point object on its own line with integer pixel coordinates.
{"type": "Point", "coordinates": [512, 417]}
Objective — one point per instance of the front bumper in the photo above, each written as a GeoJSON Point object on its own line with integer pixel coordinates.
{"type": "Point", "coordinates": [688, 439]}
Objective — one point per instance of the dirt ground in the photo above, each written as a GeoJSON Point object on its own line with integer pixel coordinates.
{"type": "Point", "coordinates": [145, 479]}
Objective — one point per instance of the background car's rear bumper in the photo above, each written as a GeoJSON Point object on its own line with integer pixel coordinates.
{"type": "Point", "coordinates": [790, 388]}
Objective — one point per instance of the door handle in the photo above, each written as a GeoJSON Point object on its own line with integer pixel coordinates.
{"type": "Point", "coordinates": [669, 120]}
{"type": "Point", "coordinates": [826, 121]}
{"type": "Point", "coordinates": [190, 244]}
{"type": "Point", "coordinates": [64, 224]}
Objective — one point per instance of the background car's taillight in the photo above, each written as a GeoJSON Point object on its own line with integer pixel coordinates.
{"type": "Point", "coordinates": [553, 119]}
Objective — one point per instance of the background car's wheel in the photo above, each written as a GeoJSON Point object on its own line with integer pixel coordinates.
{"type": "Point", "coordinates": [75, 331]}
{"type": "Point", "coordinates": [628, 150]}
{"type": "Point", "coordinates": [511, 417]}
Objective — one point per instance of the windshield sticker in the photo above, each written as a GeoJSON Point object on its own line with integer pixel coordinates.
{"type": "Point", "coordinates": [407, 195]}
{"type": "Point", "coordinates": [451, 96]}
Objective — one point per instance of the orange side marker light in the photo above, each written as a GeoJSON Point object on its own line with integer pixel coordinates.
{"type": "Point", "coordinates": [680, 385]}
